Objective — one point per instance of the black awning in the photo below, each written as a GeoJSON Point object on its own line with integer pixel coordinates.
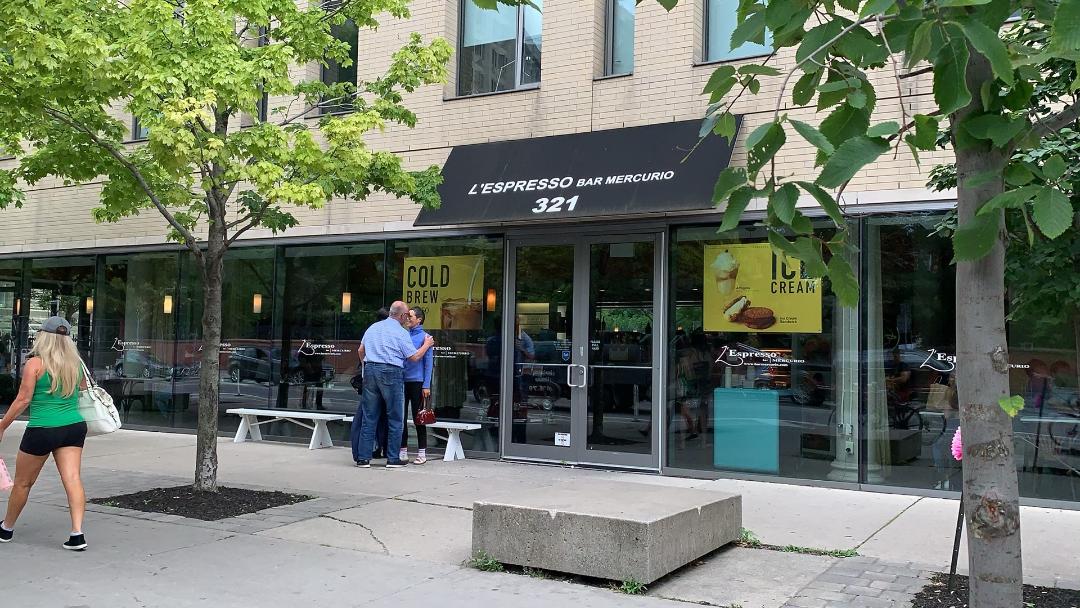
{"type": "Point", "coordinates": [601, 173]}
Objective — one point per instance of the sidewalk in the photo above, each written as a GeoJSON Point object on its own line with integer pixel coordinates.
{"type": "Point", "coordinates": [402, 535]}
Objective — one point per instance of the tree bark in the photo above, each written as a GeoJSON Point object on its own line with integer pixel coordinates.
{"type": "Point", "coordinates": [206, 458]}
{"type": "Point", "coordinates": [991, 492]}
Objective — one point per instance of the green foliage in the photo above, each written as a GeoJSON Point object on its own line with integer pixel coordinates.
{"type": "Point", "coordinates": [1022, 99]}
{"type": "Point", "coordinates": [749, 539]}
{"type": "Point", "coordinates": [632, 586]}
{"type": "Point", "coordinates": [1012, 405]}
{"type": "Point", "coordinates": [841, 553]}
{"type": "Point", "coordinates": [483, 561]}
{"type": "Point", "coordinates": [188, 73]}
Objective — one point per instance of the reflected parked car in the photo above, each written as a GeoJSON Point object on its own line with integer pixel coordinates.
{"type": "Point", "coordinates": [264, 365]}
{"type": "Point", "coordinates": [139, 364]}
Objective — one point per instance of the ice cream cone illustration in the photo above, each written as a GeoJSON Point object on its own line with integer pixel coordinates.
{"type": "Point", "coordinates": [725, 270]}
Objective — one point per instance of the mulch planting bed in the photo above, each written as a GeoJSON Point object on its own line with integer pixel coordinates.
{"type": "Point", "coordinates": [207, 506]}
{"type": "Point", "coordinates": [937, 595]}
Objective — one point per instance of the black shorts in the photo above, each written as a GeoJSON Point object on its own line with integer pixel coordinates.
{"type": "Point", "coordinates": [42, 440]}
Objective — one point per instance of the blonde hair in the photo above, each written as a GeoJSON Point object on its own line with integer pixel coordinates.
{"type": "Point", "coordinates": [60, 359]}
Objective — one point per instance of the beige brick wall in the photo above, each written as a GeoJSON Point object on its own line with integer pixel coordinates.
{"type": "Point", "coordinates": [664, 87]}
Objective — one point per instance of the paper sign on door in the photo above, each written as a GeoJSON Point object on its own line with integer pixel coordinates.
{"type": "Point", "coordinates": [562, 439]}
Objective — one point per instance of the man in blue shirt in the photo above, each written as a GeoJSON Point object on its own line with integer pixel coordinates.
{"type": "Point", "coordinates": [385, 348]}
{"type": "Point", "coordinates": [417, 387]}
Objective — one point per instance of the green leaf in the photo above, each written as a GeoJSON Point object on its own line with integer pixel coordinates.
{"type": "Point", "coordinates": [719, 76]}
{"type": "Point", "coordinates": [958, 3]}
{"type": "Point", "coordinates": [1018, 175]}
{"type": "Point", "coordinates": [921, 43]}
{"type": "Point", "coordinates": [812, 135]}
{"type": "Point", "coordinates": [950, 76]}
{"type": "Point", "coordinates": [804, 88]}
{"type": "Point", "coordinates": [726, 127]}
{"type": "Point", "coordinates": [844, 283]}
{"type": "Point", "coordinates": [883, 129]}
{"type": "Point", "coordinates": [801, 224]}
{"type": "Point", "coordinates": [844, 123]}
{"type": "Point", "coordinates": [809, 254]}
{"type": "Point", "coordinates": [815, 39]}
{"type": "Point", "coordinates": [783, 201]}
{"type": "Point", "coordinates": [729, 179]}
{"type": "Point", "coordinates": [668, 5]}
{"type": "Point", "coordinates": [826, 200]}
{"type": "Point", "coordinates": [758, 69]}
{"type": "Point", "coordinates": [766, 148]}
{"type": "Point", "coordinates": [975, 238]}
{"type": "Point", "coordinates": [780, 244]}
{"type": "Point", "coordinates": [736, 205]}
{"type": "Point", "coordinates": [758, 134]}
{"type": "Point", "coordinates": [876, 7]}
{"type": "Point", "coordinates": [994, 127]}
{"type": "Point", "coordinates": [857, 99]}
{"type": "Point", "coordinates": [926, 132]}
{"type": "Point", "coordinates": [1052, 212]}
{"type": "Point", "coordinates": [1012, 405]}
{"type": "Point", "coordinates": [852, 155]}
{"type": "Point", "coordinates": [1054, 167]}
{"type": "Point", "coordinates": [1065, 32]}
{"type": "Point", "coordinates": [752, 29]}
{"type": "Point", "coordinates": [1010, 199]}
{"type": "Point", "coordinates": [987, 42]}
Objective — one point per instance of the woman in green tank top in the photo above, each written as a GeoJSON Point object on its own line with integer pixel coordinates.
{"type": "Point", "coordinates": [51, 381]}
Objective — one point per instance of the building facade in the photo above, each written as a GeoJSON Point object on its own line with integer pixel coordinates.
{"type": "Point", "coordinates": [586, 309]}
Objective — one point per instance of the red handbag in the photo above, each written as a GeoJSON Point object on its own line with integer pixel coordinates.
{"type": "Point", "coordinates": [426, 415]}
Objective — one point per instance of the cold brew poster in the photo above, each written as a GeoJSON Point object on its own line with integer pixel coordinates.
{"type": "Point", "coordinates": [450, 290]}
{"type": "Point", "coordinates": [748, 288]}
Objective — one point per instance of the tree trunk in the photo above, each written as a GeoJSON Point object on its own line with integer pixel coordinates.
{"type": "Point", "coordinates": [991, 494]}
{"type": "Point", "coordinates": [206, 459]}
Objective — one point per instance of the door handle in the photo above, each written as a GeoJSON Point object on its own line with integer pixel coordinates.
{"type": "Point", "coordinates": [584, 376]}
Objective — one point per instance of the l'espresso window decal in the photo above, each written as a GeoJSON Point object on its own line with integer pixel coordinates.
{"type": "Point", "coordinates": [748, 288]}
{"type": "Point", "coordinates": [448, 288]}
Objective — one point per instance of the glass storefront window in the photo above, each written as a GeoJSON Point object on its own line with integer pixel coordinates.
{"type": "Point", "coordinates": [911, 366]}
{"type": "Point", "coordinates": [63, 287]}
{"type": "Point", "coordinates": [11, 330]}
{"type": "Point", "coordinates": [458, 283]}
{"type": "Point", "coordinates": [761, 363]}
{"type": "Point", "coordinates": [135, 343]}
{"type": "Point", "coordinates": [249, 360]}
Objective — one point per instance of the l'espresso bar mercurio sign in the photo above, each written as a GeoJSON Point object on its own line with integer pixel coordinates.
{"type": "Point", "coordinates": [648, 169]}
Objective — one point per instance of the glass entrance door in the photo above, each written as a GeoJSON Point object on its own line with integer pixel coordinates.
{"type": "Point", "coordinates": [582, 378]}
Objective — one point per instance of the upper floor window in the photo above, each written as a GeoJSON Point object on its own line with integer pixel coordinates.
{"type": "Point", "coordinates": [620, 37]}
{"type": "Point", "coordinates": [138, 130]}
{"type": "Point", "coordinates": [720, 22]}
{"type": "Point", "coordinates": [499, 49]}
{"type": "Point", "coordinates": [333, 72]}
{"type": "Point", "coordinates": [261, 106]}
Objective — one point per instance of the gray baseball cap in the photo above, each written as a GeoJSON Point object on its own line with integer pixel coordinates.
{"type": "Point", "coordinates": [56, 325]}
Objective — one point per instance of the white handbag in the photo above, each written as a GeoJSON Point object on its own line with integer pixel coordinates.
{"type": "Point", "coordinates": [97, 409]}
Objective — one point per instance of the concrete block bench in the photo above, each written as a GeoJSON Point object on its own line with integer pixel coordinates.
{"type": "Point", "coordinates": [249, 424]}
{"type": "Point", "coordinates": [609, 530]}
{"type": "Point", "coordinates": [453, 451]}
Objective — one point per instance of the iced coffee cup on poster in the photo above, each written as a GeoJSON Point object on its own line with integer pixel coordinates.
{"type": "Point", "coordinates": [725, 270]}
{"type": "Point", "coordinates": [461, 314]}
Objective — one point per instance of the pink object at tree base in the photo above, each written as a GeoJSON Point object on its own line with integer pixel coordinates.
{"type": "Point", "coordinates": [5, 479]}
{"type": "Point", "coordinates": [957, 446]}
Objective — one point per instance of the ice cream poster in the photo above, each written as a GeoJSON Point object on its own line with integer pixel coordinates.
{"type": "Point", "coordinates": [749, 288]}
{"type": "Point", "coordinates": [449, 288]}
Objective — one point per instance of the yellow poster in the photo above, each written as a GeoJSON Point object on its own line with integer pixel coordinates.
{"type": "Point", "coordinates": [449, 288]}
{"type": "Point", "coordinates": [748, 288]}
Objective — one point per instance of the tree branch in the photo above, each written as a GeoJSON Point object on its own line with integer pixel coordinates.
{"type": "Point", "coordinates": [189, 238]}
{"type": "Point", "coordinates": [1052, 124]}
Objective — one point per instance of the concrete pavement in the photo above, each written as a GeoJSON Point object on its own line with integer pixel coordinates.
{"type": "Point", "coordinates": [402, 535]}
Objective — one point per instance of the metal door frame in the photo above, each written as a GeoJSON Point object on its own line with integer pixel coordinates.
{"type": "Point", "coordinates": [581, 317]}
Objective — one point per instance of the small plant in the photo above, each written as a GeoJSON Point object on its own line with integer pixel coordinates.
{"type": "Point", "coordinates": [632, 586]}
{"type": "Point", "coordinates": [536, 572]}
{"type": "Point", "coordinates": [483, 561]}
{"type": "Point", "coordinates": [842, 553]}
{"type": "Point", "coordinates": [749, 539]}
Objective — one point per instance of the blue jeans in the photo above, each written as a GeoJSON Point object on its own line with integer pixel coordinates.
{"type": "Point", "coordinates": [354, 431]}
{"type": "Point", "coordinates": [384, 391]}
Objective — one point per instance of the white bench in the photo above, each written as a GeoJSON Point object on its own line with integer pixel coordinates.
{"type": "Point", "coordinates": [249, 424]}
{"type": "Point", "coordinates": [453, 430]}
